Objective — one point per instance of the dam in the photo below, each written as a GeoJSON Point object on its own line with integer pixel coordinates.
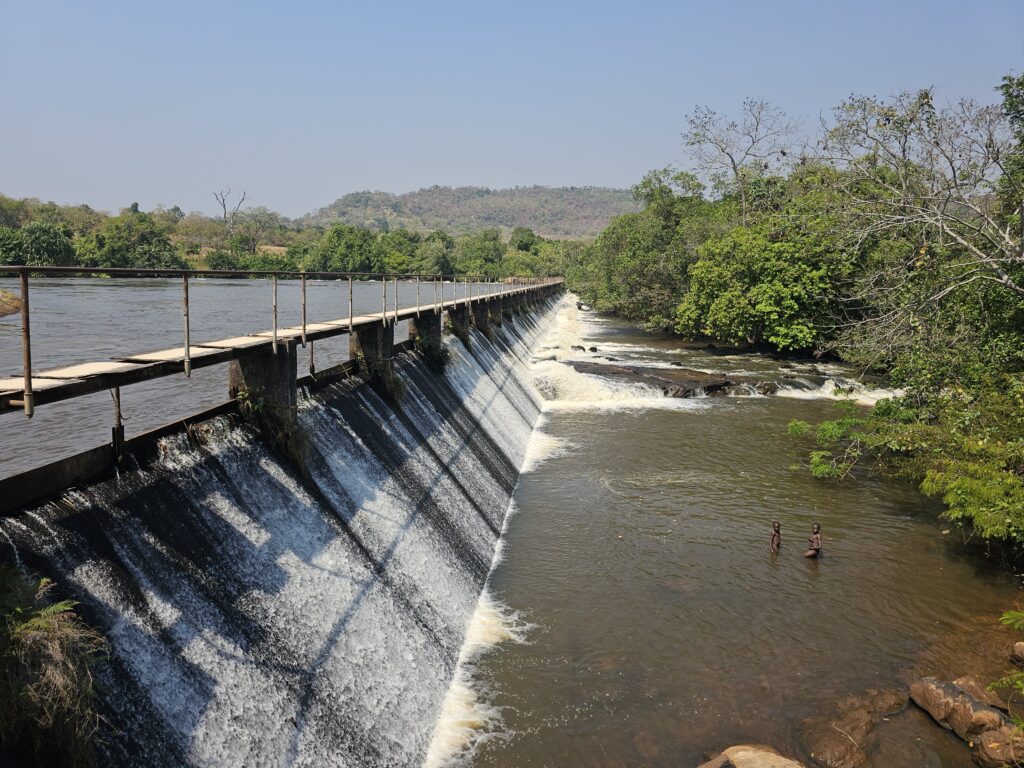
{"type": "Point", "coordinates": [291, 584]}
{"type": "Point", "coordinates": [507, 548]}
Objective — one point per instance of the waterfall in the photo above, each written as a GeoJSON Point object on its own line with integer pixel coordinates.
{"type": "Point", "coordinates": [263, 610]}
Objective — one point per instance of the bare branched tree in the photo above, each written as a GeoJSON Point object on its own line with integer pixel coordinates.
{"type": "Point", "coordinates": [737, 151]}
{"type": "Point", "coordinates": [227, 210]}
{"type": "Point", "coordinates": [910, 167]}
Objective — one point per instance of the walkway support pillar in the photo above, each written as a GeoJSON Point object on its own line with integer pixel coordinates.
{"type": "Point", "coordinates": [481, 317]}
{"type": "Point", "coordinates": [264, 385]}
{"type": "Point", "coordinates": [458, 320]}
{"type": "Point", "coordinates": [425, 331]}
{"type": "Point", "coordinates": [494, 310]}
{"type": "Point", "coordinates": [373, 348]}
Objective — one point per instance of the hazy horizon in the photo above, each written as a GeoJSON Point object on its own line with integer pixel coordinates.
{"type": "Point", "coordinates": [300, 105]}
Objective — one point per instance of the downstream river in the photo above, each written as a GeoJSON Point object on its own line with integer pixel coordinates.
{"type": "Point", "coordinates": [656, 624]}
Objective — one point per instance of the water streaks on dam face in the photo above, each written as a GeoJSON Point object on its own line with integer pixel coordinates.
{"type": "Point", "coordinates": [268, 611]}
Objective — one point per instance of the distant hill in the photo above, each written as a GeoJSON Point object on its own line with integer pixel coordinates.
{"type": "Point", "coordinates": [548, 211]}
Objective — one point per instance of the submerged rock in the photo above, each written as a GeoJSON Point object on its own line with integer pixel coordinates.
{"type": "Point", "coordinates": [993, 738]}
{"type": "Point", "coordinates": [843, 740]}
{"type": "Point", "coordinates": [751, 756]}
{"type": "Point", "coordinates": [593, 349]}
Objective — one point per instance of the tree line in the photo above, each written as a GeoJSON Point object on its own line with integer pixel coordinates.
{"type": "Point", "coordinates": [35, 233]}
{"type": "Point", "coordinates": [891, 239]}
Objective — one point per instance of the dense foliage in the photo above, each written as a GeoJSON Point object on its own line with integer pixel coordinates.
{"type": "Point", "coordinates": [256, 239]}
{"type": "Point", "coordinates": [896, 245]}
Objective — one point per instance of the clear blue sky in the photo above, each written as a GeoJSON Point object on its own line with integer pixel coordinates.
{"type": "Point", "coordinates": [163, 102]}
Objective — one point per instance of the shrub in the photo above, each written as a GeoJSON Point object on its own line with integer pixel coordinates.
{"type": "Point", "coordinates": [46, 684]}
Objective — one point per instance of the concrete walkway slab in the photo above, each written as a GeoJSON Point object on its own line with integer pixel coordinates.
{"type": "Point", "coordinates": [237, 342]}
{"type": "Point", "coordinates": [173, 354]}
{"type": "Point", "coordinates": [84, 370]}
{"type": "Point", "coordinates": [10, 386]}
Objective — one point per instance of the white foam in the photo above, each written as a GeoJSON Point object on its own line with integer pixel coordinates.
{"type": "Point", "coordinates": [542, 447]}
{"type": "Point", "coordinates": [841, 390]}
{"type": "Point", "coordinates": [466, 716]}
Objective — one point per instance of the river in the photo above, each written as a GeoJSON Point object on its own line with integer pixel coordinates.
{"type": "Point", "coordinates": [656, 625]}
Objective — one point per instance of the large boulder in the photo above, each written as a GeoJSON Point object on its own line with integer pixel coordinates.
{"type": "Point", "coordinates": [993, 738]}
{"type": "Point", "coordinates": [751, 756]}
{"type": "Point", "coordinates": [952, 707]}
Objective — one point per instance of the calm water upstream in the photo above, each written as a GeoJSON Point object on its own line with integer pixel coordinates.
{"type": "Point", "coordinates": [87, 320]}
{"type": "Point", "coordinates": [662, 627]}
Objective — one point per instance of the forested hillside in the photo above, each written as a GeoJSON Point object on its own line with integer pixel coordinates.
{"type": "Point", "coordinates": [548, 211]}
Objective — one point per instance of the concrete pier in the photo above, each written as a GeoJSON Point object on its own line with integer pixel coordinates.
{"type": "Point", "coordinates": [264, 384]}
{"type": "Point", "coordinates": [482, 317]}
{"type": "Point", "coordinates": [372, 347]}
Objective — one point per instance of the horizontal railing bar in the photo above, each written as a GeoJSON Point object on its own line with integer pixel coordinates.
{"type": "Point", "coordinates": [18, 269]}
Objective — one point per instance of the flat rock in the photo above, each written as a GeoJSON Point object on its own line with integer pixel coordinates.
{"type": "Point", "coordinates": [677, 381]}
{"type": "Point", "coordinates": [751, 756]}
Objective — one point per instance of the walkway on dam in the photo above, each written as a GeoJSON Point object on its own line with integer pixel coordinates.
{"type": "Point", "coordinates": [72, 381]}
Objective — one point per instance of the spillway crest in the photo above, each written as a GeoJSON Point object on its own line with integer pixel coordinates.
{"type": "Point", "coordinates": [264, 610]}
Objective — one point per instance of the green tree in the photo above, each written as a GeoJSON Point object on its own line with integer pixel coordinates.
{"type": "Point", "coordinates": [480, 253]}
{"type": "Point", "coordinates": [523, 239]}
{"type": "Point", "coordinates": [761, 284]}
{"type": "Point", "coordinates": [37, 244]}
{"type": "Point", "coordinates": [346, 248]}
{"type": "Point", "coordinates": [434, 254]}
{"type": "Point", "coordinates": [129, 240]}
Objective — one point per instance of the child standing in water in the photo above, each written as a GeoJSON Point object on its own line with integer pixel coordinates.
{"type": "Point", "coordinates": [776, 540]}
{"type": "Point", "coordinates": [814, 542]}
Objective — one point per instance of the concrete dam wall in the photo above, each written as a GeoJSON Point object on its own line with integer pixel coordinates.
{"type": "Point", "coordinates": [271, 607]}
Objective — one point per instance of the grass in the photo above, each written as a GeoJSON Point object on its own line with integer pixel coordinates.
{"type": "Point", "coordinates": [46, 683]}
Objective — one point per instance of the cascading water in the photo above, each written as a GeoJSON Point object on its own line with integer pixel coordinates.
{"type": "Point", "coordinates": [262, 611]}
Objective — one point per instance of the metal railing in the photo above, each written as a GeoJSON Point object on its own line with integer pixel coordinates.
{"type": "Point", "coordinates": [24, 273]}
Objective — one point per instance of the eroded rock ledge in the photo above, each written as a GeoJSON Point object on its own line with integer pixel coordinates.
{"type": "Point", "coordinates": [679, 382]}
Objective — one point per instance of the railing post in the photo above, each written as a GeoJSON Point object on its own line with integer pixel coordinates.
{"type": "Point", "coordinates": [396, 298]}
{"type": "Point", "coordinates": [117, 433]}
{"type": "Point", "coordinates": [275, 315]}
{"type": "Point", "coordinates": [350, 305]}
{"type": "Point", "coordinates": [28, 400]}
{"type": "Point", "coordinates": [417, 295]}
{"type": "Point", "coordinates": [303, 310]}
{"type": "Point", "coordinates": [188, 342]}
{"type": "Point", "coordinates": [384, 297]}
